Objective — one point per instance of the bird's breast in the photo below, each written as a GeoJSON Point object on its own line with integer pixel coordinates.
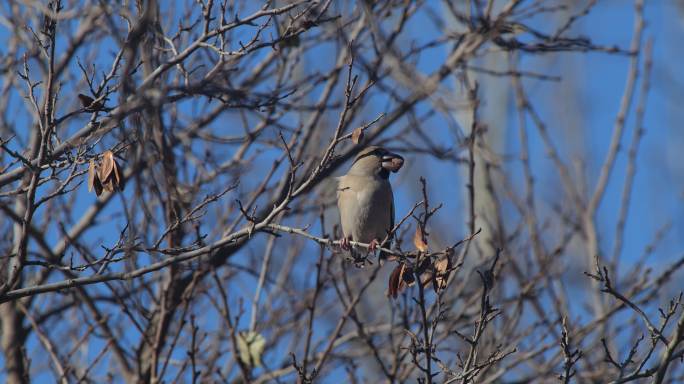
{"type": "Point", "coordinates": [365, 208]}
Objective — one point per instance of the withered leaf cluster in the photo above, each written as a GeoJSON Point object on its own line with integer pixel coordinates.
{"type": "Point", "coordinates": [106, 175]}
{"type": "Point", "coordinates": [430, 270]}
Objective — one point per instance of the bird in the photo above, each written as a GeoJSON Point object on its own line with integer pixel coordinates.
{"type": "Point", "coordinates": [365, 200]}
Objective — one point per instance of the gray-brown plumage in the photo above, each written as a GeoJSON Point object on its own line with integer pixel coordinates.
{"type": "Point", "coordinates": [365, 199]}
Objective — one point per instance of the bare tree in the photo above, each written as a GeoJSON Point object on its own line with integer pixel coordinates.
{"type": "Point", "coordinates": [169, 208]}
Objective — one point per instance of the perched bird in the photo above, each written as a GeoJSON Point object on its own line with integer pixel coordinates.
{"type": "Point", "coordinates": [365, 199]}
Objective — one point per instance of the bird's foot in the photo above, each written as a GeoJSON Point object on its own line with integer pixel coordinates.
{"type": "Point", "coordinates": [344, 244]}
{"type": "Point", "coordinates": [373, 245]}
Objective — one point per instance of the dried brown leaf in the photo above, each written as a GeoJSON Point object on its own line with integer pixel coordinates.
{"type": "Point", "coordinates": [407, 278]}
{"type": "Point", "coordinates": [107, 167]}
{"type": "Point", "coordinates": [116, 174]}
{"type": "Point", "coordinates": [117, 177]}
{"type": "Point", "coordinates": [93, 178]}
{"type": "Point", "coordinates": [400, 277]}
{"type": "Point", "coordinates": [394, 280]}
{"type": "Point", "coordinates": [441, 274]}
{"type": "Point", "coordinates": [92, 174]}
{"type": "Point", "coordinates": [357, 135]}
{"type": "Point", "coordinates": [419, 240]}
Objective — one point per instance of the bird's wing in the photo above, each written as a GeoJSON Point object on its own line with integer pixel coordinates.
{"type": "Point", "coordinates": [347, 205]}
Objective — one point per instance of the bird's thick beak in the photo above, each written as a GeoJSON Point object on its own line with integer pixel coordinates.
{"type": "Point", "coordinates": [392, 162]}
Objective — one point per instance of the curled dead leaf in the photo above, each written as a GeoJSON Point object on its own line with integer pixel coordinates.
{"type": "Point", "coordinates": [393, 287]}
{"type": "Point", "coordinates": [110, 174]}
{"type": "Point", "coordinates": [357, 135]}
{"type": "Point", "coordinates": [118, 177]}
{"type": "Point", "coordinates": [420, 239]}
{"type": "Point", "coordinates": [92, 174]}
{"type": "Point", "coordinates": [107, 165]}
{"type": "Point", "coordinates": [93, 178]}
{"type": "Point", "coordinates": [400, 277]}
{"type": "Point", "coordinates": [441, 274]}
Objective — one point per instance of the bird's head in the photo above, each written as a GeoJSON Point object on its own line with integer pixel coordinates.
{"type": "Point", "coordinates": [375, 160]}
